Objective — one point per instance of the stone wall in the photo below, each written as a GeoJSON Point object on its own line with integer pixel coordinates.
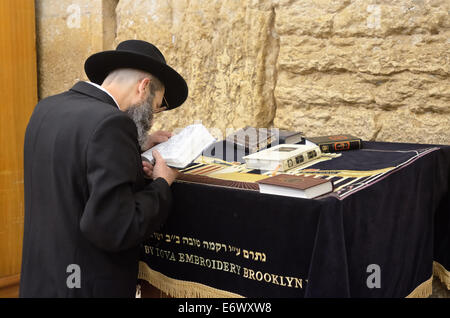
{"type": "Point", "coordinates": [378, 69]}
{"type": "Point", "coordinates": [68, 31]}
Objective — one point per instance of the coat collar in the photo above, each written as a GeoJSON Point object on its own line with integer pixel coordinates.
{"type": "Point", "coordinates": [92, 91]}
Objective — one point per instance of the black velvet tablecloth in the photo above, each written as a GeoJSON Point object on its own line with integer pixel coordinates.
{"type": "Point", "coordinates": [378, 240]}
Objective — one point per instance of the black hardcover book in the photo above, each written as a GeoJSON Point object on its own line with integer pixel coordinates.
{"type": "Point", "coordinates": [290, 137]}
{"type": "Point", "coordinates": [336, 143]}
{"type": "Point", "coordinates": [252, 139]}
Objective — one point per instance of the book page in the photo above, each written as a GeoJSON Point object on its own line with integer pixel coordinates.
{"type": "Point", "coordinates": [184, 147]}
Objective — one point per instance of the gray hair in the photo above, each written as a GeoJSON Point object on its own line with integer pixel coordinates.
{"type": "Point", "coordinates": [127, 75]}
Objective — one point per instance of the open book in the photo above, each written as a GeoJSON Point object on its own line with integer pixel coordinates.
{"type": "Point", "coordinates": [183, 148]}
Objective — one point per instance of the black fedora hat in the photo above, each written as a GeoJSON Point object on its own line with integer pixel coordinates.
{"type": "Point", "coordinates": [143, 56]}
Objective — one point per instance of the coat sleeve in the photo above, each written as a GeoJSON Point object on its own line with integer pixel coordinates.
{"type": "Point", "coordinates": [117, 216]}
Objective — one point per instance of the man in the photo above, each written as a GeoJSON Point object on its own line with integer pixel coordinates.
{"type": "Point", "coordinates": [89, 201]}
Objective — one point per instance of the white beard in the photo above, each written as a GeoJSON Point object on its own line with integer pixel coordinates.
{"type": "Point", "coordinates": [142, 115]}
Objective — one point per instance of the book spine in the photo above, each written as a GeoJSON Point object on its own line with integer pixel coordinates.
{"type": "Point", "coordinates": [301, 159]}
{"type": "Point", "coordinates": [340, 146]}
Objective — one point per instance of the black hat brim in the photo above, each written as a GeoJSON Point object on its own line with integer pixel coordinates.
{"type": "Point", "coordinates": [99, 65]}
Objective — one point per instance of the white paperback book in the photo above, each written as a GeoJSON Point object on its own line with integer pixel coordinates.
{"type": "Point", "coordinates": [183, 148]}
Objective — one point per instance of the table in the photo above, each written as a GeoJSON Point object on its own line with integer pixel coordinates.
{"type": "Point", "coordinates": [383, 235]}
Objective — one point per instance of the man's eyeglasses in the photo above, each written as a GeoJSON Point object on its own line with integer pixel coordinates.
{"type": "Point", "coordinates": [164, 106]}
{"type": "Point", "coordinates": [165, 103]}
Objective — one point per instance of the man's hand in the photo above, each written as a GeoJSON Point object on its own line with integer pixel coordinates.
{"type": "Point", "coordinates": [148, 169]}
{"type": "Point", "coordinates": [161, 170]}
{"type": "Point", "coordinates": [156, 138]}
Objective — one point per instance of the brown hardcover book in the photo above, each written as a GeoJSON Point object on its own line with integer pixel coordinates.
{"type": "Point", "coordinates": [295, 186]}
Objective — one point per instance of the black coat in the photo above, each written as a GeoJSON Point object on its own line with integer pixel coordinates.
{"type": "Point", "coordinates": [86, 199]}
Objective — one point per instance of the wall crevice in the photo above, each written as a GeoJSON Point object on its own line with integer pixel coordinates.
{"type": "Point", "coordinates": [109, 23]}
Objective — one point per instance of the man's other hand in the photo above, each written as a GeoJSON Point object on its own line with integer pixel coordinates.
{"type": "Point", "coordinates": [148, 169]}
{"type": "Point", "coordinates": [161, 170]}
{"type": "Point", "coordinates": [156, 138]}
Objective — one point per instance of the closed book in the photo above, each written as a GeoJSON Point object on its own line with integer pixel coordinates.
{"type": "Point", "coordinates": [282, 157]}
{"type": "Point", "coordinates": [336, 143]}
{"type": "Point", "coordinates": [295, 186]}
{"type": "Point", "coordinates": [289, 137]}
{"type": "Point", "coordinates": [252, 139]}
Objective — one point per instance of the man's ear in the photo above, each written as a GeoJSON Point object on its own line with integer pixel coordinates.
{"type": "Point", "coordinates": [143, 87]}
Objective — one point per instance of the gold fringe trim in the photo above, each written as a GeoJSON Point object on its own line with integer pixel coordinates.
{"type": "Point", "coordinates": [186, 289]}
{"type": "Point", "coordinates": [442, 273]}
{"type": "Point", "coordinates": [180, 288]}
{"type": "Point", "coordinates": [424, 290]}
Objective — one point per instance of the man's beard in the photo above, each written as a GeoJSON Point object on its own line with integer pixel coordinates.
{"type": "Point", "coordinates": [142, 115]}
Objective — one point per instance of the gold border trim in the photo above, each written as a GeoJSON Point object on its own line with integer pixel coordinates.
{"type": "Point", "coordinates": [181, 288]}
